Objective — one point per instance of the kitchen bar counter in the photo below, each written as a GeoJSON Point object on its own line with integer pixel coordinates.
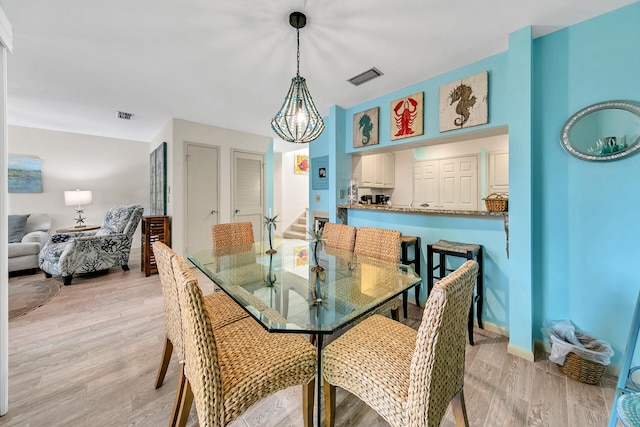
{"type": "Point", "coordinates": [423, 211]}
{"type": "Point", "coordinates": [342, 213]}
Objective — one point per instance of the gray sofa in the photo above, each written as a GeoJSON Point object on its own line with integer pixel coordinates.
{"type": "Point", "coordinates": [23, 255]}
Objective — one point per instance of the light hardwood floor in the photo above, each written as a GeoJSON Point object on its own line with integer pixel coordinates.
{"type": "Point", "coordinates": [89, 358]}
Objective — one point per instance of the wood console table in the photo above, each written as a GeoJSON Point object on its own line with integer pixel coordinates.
{"type": "Point", "coordinates": [77, 229]}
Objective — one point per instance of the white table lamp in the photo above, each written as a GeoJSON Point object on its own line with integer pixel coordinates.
{"type": "Point", "coordinates": [78, 198]}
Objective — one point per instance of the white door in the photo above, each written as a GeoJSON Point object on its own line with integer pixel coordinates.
{"type": "Point", "coordinates": [247, 203]}
{"type": "Point", "coordinates": [202, 196]}
{"type": "Point", "coordinates": [459, 183]}
{"type": "Point", "coordinates": [426, 184]}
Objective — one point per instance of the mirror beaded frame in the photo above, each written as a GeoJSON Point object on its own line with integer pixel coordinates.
{"type": "Point", "coordinates": [629, 106]}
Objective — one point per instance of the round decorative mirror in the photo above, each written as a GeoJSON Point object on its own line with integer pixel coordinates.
{"type": "Point", "coordinates": [603, 131]}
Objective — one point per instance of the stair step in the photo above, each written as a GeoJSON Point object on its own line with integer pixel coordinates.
{"type": "Point", "coordinates": [299, 228]}
{"type": "Point", "coordinates": [302, 220]}
{"type": "Point", "coordinates": [294, 235]}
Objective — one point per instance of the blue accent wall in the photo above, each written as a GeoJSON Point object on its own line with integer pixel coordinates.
{"type": "Point", "coordinates": [586, 229]}
{"type": "Point", "coordinates": [573, 224]}
{"type": "Point", "coordinates": [520, 107]}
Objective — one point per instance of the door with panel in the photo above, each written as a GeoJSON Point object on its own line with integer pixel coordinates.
{"type": "Point", "coordinates": [426, 185]}
{"type": "Point", "coordinates": [248, 190]}
{"type": "Point", "coordinates": [459, 183]}
{"type": "Point", "coordinates": [202, 164]}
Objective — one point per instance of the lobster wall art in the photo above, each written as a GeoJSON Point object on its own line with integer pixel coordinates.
{"type": "Point", "coordinates": [407, 116]}
{"type": "Point", "coordinates": [464, 103]}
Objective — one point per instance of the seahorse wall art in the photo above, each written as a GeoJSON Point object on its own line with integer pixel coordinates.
{"type": "Point", "coordinates": [365, 128]}
{"type": "Point", "coordinates": [407, 116]}
{"type": "Point", "coordinates": [464, 103]}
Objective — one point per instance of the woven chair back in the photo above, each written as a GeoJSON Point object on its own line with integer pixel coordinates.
{"type": "Point", "coordinates": [201, 358]}
{"type": "Point", "coordinates": [339, 236]}
{"type": "Point", "coordinates": [231, 234]}
{"type": "Point", "coordinates": [172, 321]}
{"type": "Point", "coordinates": [437, 366]}
{"type": "Point", "coordinates": [378, 243]}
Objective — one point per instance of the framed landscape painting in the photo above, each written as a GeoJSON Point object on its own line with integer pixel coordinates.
{"type": "Point", "coordinates": [25, 175]}
{"type": "Point", "coordinates": [464, 103]}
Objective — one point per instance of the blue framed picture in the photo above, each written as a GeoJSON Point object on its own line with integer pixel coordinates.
{"type": "Point", "coordinates": [25, 175]}
{"type": "Point", "coordinates": [320, 173]}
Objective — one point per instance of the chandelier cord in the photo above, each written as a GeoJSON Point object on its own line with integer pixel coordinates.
{"type": "Point", "coordinates": [298, 56]}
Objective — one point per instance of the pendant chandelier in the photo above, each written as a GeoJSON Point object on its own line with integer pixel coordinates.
{"type": "Point", "coordinates": [298, 119]}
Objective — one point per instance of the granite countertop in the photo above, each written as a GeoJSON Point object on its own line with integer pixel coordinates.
{"type": "Point", "coordinates": [422, 211]}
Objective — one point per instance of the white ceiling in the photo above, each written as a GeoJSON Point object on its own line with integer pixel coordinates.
{"type": "Point", "coordinates": [229, 63]}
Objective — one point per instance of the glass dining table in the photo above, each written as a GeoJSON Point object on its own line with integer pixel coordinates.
{"type": "Point", "coordinates": [304, 288]}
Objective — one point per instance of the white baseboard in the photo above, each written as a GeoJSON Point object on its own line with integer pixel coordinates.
{"type": "Point", "coordinates": [511, 349]}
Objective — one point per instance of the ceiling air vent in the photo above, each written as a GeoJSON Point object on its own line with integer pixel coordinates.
{"type": "Point", "coordinates": [365, 77]}
{"type": "Point", "coordinates": [124, 116]}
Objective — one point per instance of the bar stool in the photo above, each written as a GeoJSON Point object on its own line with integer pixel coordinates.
{"type": "Point", "coordinates": [408, 241]}
{"type": "Point", "coordinates": [445, 248]}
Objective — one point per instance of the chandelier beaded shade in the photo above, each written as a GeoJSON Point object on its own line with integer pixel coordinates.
{"type": "Point", "coordinates": [298, 119]}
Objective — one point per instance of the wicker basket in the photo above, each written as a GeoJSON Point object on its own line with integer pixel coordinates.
{"type": "Point", "coordinates": [496, 202]}
{"type": "Point", "coordinates": [582, 370]}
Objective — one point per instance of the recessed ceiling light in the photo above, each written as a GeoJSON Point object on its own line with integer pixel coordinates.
{"type": "Point", "coordinates": [365, 77]}
{"type": "Point", "coordinates": [124, 116]}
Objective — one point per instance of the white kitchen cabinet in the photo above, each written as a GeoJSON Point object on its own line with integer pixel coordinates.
{"type": "Point", "coordinates": [378, 170]}
{"type": "Point", "coordinates": [499, 172]}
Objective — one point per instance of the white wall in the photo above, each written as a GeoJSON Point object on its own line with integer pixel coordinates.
{"type": "Point", "coordinates": [165, 135]}
{"type": "Point", "coordinates": [277, 191]}
{"type": "Point", "coordinates": [226, 139]}
{"type": "Point", "coordinates": [115, 170]}
{"type": "Point", "coordinates": [471, 146]}
{"type": "Point", "coordinates": [295, 190]}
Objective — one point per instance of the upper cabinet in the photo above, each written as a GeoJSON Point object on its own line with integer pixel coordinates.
{"type": "Point", "coordinates": [499, 172]}
{"type": "Point", "coordinates": [378, 170]}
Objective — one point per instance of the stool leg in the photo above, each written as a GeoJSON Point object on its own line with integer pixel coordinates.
{"type": "Point", "coordinates": [470, 323]}
{"type": "Point", "coordinates": [429, 270]}
{"type": "Point", "coordinates": [480, 290]}
{"type": "Point", "coordinates": [469, 256]}
{"type": "Point", "coordinates": [417, 260]}
{"type": "Point", "coordinates": [405, 298]}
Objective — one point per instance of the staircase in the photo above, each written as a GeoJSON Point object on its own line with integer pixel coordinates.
{"type": "Point", "coordinates": [297, 230]}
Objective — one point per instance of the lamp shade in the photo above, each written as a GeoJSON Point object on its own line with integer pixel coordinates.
{"type": "Point", "coordinates": [77, 198]}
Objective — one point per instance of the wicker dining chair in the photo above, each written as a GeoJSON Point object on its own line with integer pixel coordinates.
{"type": "Point", "coordinates": [411, 382]}
{"type": "Point", "coordinates": [339, 236]}
{"type": "Point", "coordinates": [233, 367]}
{"type": "Point", "coordinates": [384, 245]}
{"type": "Point", "coordinates": [231, 234]}
{"type": "Point", "coordinates": [222, 311]}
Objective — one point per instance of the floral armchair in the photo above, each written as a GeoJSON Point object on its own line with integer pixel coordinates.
{"type": "Point", "coordinates": [85, 252]}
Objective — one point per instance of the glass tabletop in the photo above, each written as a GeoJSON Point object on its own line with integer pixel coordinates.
{"type": "Point", "coordinates": [289, 292]}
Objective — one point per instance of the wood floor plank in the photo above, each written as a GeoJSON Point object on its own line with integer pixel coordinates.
{"type": "Point", "coordinates": [507, 410]}
{"type": "Point", "coordinates": [89, 358]}
{"type": "Point", "coordinates": [517, 376]}
{"type": "Point", "coordinates": [581, 416]}
{"type": "Point", "coordinates": [548, 405]}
